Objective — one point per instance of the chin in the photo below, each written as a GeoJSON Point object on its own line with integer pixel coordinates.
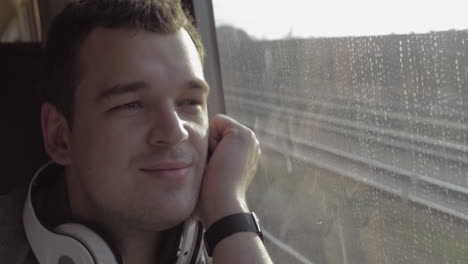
{"type": "Point", "coordinates": [169, 220]}
{"type": "Point", "coordinates": [171, 214]}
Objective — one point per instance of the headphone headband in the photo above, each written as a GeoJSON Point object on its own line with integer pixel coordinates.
{"type": "Point", "coordinates": [72, 243]}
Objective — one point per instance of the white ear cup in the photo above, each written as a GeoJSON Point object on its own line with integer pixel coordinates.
{"type": "Point", "coordinates": [99, 249]}
{"type": "Point", "coordinates": [75, 245]}
{"type": "Point", "coordinates": [49, 247]}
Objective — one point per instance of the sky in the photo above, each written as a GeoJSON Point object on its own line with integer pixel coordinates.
{"type": "Point", "coordinates": [273, 19]}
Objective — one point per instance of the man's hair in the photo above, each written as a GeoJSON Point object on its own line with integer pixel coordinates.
{"type": "Point", "coordinates": [72, 26]}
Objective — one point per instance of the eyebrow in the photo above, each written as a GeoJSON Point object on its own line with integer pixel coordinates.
{"type": "Point", "coordinates": [134, 87]}
{"type": "Point", "coordinates": [120, 89]}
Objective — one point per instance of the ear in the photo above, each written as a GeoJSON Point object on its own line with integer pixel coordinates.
{"type": "Point", "coordinates": [56, 134]}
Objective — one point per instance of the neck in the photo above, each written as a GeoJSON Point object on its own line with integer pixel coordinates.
{"type": "Point", "coordinates": [133, 245]}
{"type": "Point", "coordinates": [138, 247]}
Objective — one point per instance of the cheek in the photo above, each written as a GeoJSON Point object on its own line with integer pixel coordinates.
{"type": "Point", "coordinates": [102, 156]}
{"type": "Point", "coordinates": [98, 143]}
{"type": "Point", "coordinates": [199, 140]}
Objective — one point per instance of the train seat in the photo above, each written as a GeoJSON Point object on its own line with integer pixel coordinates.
{"type": "Point", "coordinates": [21, 148]}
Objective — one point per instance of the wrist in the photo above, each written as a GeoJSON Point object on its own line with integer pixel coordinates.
{"type": "Point", "coordinates": [229, 226]}
{"type": "Point", "coordinates": [220, 209]}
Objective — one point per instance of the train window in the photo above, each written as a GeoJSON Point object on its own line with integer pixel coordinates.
{"type": "Point", "coordinates": [19, 21]}
{"type": "Point", "coordinates": [361, 108]}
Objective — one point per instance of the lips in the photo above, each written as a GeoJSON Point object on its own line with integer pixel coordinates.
{"type": "Point", "coordinates": [166, 165]}
{"type": "Point", "coordinates": [168, 170]}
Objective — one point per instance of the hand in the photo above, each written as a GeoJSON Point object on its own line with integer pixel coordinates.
{"type": "Point", "coordinates": [230, 169]}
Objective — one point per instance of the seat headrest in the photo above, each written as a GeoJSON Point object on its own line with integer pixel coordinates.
{"type": "Point", "coordinates": [21, 150]}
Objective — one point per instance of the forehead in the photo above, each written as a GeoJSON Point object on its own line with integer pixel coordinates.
{"type": "Point", "coordinates": [120, 55]}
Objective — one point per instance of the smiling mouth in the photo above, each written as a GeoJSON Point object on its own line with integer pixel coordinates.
{"type": "Point", "coordinates": [166, 165]}
{"type": "Point", "coordinates": [168, 170]}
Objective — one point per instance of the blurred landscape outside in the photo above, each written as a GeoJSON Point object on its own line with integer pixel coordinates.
{"type": "Point", "coordinates": [364, 139]}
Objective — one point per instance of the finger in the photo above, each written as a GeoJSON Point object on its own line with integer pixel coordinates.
{"type": "Point", "coordinates": [213, 136]}
{"type": "Point", "coordinates": [220, 122]}
{"type": "Point", "coordinates": [219, 127]}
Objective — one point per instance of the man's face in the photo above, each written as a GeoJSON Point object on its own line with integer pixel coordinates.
{"type": "Point", "coordinates": [139, 135]}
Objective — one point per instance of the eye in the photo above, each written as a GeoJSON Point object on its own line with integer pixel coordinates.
{"type": "Point", "coordinates": [190, 102]}
{"type": "Point", "coordinates": [192, 106]}
{"type": "Point", "coordinates": [128, 106]}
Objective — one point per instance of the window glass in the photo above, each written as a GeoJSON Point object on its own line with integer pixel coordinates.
{"type": "Point", "coordinates": [361, 109]}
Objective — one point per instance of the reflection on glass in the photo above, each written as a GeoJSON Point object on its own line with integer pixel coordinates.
{"type": "Point", "coordinates": [364, 139]}
{"type": "Point", "coordinates": [19, 21]}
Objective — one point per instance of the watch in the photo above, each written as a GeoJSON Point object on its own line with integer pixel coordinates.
{"type": "Point", "coordinates": [229, 225]}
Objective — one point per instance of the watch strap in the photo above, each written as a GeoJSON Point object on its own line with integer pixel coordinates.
{"type": "Point", "coordinates": [229, 225]}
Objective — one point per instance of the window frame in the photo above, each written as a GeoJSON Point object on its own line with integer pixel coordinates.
{"type": "Point", "coordinates": [204, 19]}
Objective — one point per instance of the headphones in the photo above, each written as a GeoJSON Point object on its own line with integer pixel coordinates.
{"type": "Point", "coordinates": [73, 243]}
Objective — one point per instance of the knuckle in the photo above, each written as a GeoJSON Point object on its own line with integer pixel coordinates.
{"type": "Point", "coordinates": [252, 138]}
{"type": "Point", "coordinates": [244, 132]}
{"type": "Point", "coordinates": [257, 142]}
{"type": "Point", "coordinates": [248, 132]}
{"type": "Point", "coordinates": [251, 135]}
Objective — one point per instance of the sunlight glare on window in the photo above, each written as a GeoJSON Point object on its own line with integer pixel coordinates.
{"type": "Point", "coordinates": [273, 19]}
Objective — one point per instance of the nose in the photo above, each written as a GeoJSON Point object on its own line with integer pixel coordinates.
{"type": "Point", "coordinates": [167, 129]}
